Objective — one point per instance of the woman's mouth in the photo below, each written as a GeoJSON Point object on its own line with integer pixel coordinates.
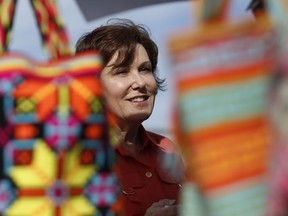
{"type": "Point", "coordinates": [139, 99]}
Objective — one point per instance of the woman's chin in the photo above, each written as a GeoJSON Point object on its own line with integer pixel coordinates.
{"type": "Point", "coordinates": [139, 117]}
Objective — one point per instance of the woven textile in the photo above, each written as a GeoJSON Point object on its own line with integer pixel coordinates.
{"type": "Point", "coordinates": [55, 150]}
{"type": "Point", "coordinates": [7, 9]}
{"type": "Point", "coordinates": [223, 80]}
{"type": "Point", "coordinates": [278, 193]}
{"type": "Point", "coordinates": [54, 36]}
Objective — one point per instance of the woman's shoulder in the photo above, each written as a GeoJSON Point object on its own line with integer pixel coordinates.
{"type": "Point", "coordinates": [172, 160]}
{"type": "Point", "coordinates": [162, 141]}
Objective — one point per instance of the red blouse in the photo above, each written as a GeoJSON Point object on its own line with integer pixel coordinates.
{"type": "Point", "coordinates": [143, 177]}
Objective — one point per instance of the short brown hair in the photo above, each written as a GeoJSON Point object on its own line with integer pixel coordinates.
{"type": "Point", "coordinates": [121, 35]}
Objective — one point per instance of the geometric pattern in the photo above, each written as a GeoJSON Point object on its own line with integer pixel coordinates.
{"type": "Point", "coordinates": [56, 156]}
{"type": "Point", "coordinates": [101, 189]}
{"type": "Point", "coordinates": [7, 195]}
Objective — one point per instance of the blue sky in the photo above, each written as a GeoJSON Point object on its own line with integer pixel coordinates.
{"type": "Point", "coordinates": [162, 20]}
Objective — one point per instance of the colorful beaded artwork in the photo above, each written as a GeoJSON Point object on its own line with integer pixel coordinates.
{"type": "Point", "coordinates": [56, 156]}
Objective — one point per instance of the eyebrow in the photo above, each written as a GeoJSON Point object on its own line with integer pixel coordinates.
{"type": "Point", "coordinates": [146, 62]}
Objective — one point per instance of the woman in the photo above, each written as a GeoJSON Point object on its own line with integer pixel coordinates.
{"type": "Point", "coordinates": [130, 85]}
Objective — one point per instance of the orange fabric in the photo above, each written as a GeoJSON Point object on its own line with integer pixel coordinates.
{"type": "Point", "coordinates": [25, 131]}
{"type": "Point", "coordinates": [94, 131]}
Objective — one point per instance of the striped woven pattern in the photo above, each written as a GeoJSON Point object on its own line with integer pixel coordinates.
{"type": "Point", "coordinates": [223, 80]}
{"type": "Point", "coordinates": [54, 36]}
{"type": "Point", "coordinates": [7, 8]}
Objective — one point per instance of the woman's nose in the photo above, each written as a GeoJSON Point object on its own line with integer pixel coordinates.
{"type": "Point", "coordinates": [138, 81]}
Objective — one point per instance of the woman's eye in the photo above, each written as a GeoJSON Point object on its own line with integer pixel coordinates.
{"type": "Point", "coordinates": [146, 69]}
{"type": "Point", "coordinates": [120, 71]}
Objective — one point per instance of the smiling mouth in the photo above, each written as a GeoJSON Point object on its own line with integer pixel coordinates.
{"type": "Point", "coordinates": [139, 99]}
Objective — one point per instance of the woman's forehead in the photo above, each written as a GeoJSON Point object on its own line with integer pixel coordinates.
{"type": "Point", "coordinates": [124, 57]}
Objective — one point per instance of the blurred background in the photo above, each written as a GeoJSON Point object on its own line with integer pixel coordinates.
{"type": "Point", "coordinates": [163, 18]}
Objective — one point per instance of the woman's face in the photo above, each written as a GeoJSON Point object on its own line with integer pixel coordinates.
{"type": "Point", "coordinates": [129, 92]}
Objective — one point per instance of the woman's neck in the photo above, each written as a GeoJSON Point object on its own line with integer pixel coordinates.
{"type": "Point", "coordinates": [130, 138]}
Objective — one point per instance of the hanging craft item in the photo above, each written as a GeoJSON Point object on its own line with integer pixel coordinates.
{"type": "Point", "coordinates": [278, 187]}
{"type": "Point", "coordinates": [223, 80]}
{"type": "Point", "coordinates": [55, 152]}
{"type": "Point", "coordinates": [7, 9]}
{"type": "Point", "coordinates": [53, 34]}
